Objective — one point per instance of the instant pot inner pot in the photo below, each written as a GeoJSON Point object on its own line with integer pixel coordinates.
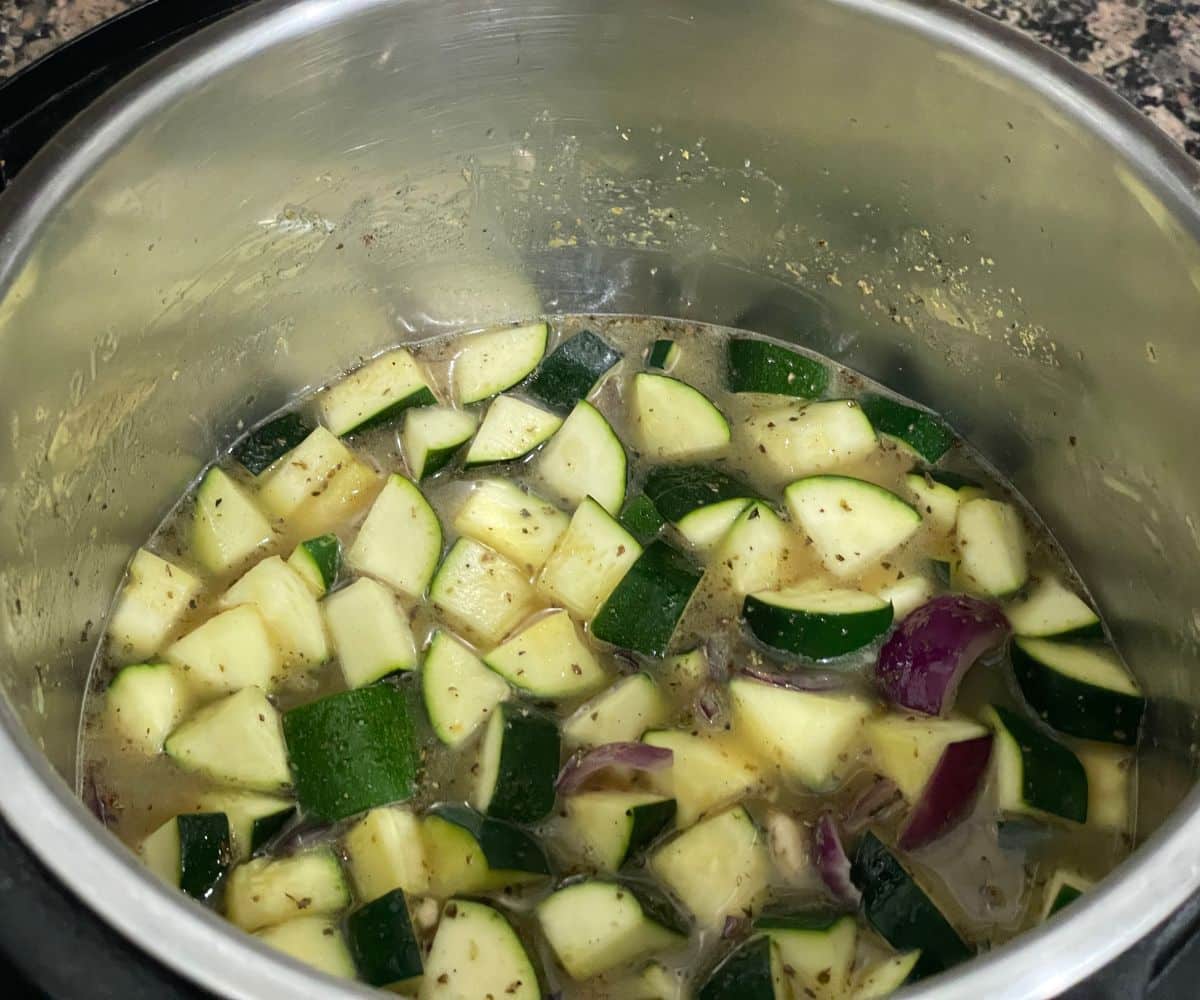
{"type": "Point", "coordinates": [241, 220]}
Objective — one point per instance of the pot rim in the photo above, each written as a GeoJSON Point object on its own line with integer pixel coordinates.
{"type": "Point", "coordinates": [184, 936]}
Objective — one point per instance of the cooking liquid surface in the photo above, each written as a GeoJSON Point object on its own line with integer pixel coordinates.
{"type": "Point", "coordinates": [990, 892]}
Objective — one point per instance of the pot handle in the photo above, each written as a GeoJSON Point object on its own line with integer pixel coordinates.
{"type": "Point", "coordinates": [40, 99]}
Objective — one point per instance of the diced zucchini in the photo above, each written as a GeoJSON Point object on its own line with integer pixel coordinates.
{"type": "Point", "coordinates": [901, 911]}
{"type": "Point", "coordinates": [706, 526]}
{"type": "Point", "coordinates": [939, 496]}
{"type": "Point", "coordinates": [144, 703]}
{"type": "Point", "coordinates": [264, 446]}
{"type": "Point", "coordinates": [595, 926]}
{"type": "Point", "coordinates": [853, 523]}
{"type": "Point", "coordinates": [375, 393]}
{"type": "Point", "coordinates": [882, 978]}
{"type": "Point", "coordinates": [654, 981]}
{"type": "Point", "coordinates": [155, 597]}
{"type": "Point", "coordinates": [679, 490]}
{"type": "Point", "coordinates": [548, 659]}
{"type": "Point", "coordinates": [518, 765]}
{"type": "Point", "coordinates": [619, 714]}
{"type": "Point", "coordinates": [351, 751]}
{"type": "Point", "coordinates": [760, 366]}
{"type": "Point", "coordinates": [488, 363]}
{"type": "Point", "coordinates": [318, 485]}
{"type": "Point", "coordinates": [752, 971]}
{"type": "Point", "coordinates": [642, 611]}
{"type": "Point", "coordinates": [991, 548]}
{"type": "Point", "coordinates": [289, 609]}
{"type": "Point", "coordinates": [1110, 785]}
{"type": "Point", "coordinates": [797, 439]}
{"type": "Point", "coordinates": [190, 852]}
{"type": "Point", "coordinates": [611, 828]}
{"type": "Point", "coordinates": [228, 652]}
{"type": "Point", "coordinates": [1051, 611]}
{"type": "Point", "coordinates": [519, 525]}
{"type": "Point", "coordinates": [469, 852]}
{"type": "Point", "coordinates": [758, 553]}
{"type": "Point", "coordinates": [684, 673]}
{"type": "Point", "coordinates": [663, 354]}
{"type": "Point", "coordinates": [318, 560]}
{"type": "Point", "coordinates": [459, 691]}
{"type": "Point", "coordinates": [433, 435]}
{"type": "Point", "coordinates": [807, 735]}
{"type": "Point", "coordinates": [641, 518]}
{"type": "Point", "coordinates": [706, 772]}
{"type": "Point", "coordinates": [1080, 690]}
{"type": "Point", "coordinates": [1064, 887]}
{"type": "Point", "coordinates": [269, 891]}
{"type": "Point", "coordinates": [820, 624]}
{"type": "Point", "coordinates": [720, 866]}
{"type": "Point", "coordinates": [675, 422]}
{"type": "Point", "coordinates": [906, 749]}
{"type": "Point", "coordinates": [477, 954]}
{"type": "Point", "coordinates": [370, 632]}
{"type": "Point", "coordinates": [922, 431]}
{"type": "Point", "coordinates": [316, 941]}
{"type": "Point", "coordinates": [386, 852]}
{"type": "Point", "coordinates": [1035, 775]}
{"type": "Point", "coordinates": [236, 741]}
{"type": "Point", "coordinates": [584, 459]}
{"type": "Point", "coordinates": [253, 819]}
{"type": "Point", "coordinates": [480, 593]}
{"type": "Point", "coordinates": [385, 948]}
{"type": "Point", "coordinates": [511, 429]}
{"type": "Point", "coordinates": [590, 559]}
{"type": "Point", "coordinates": [227, 526]}
{"type": "Point", "coordinates": [400, 542]}
{"type": "Point", "coordinates": [817, 950]}
{"type": "Point", "coordinates": [571, 371]}
{"type": "Point", "coordinates": [906, 595]}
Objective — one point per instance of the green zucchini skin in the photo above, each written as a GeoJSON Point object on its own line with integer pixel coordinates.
{"type": "Point", "coordinates": [759, 366]}
{"type": "Point", "coordinates": [266, 828]}
{"type": "Point", "coordinates": [568, 373]}
{"type": "Point", "coordinates": [902, 913]}
{"type": "Point", "coordinates": [662, 354]}
{"type": "Point", "coordinates": [649, 820]}
{"type": "Point", "coordinates": [744, 975]}
{"type": "Point", "coordinates": [204, 852]}
{"type": "Point", "coordinates": [1052, 778]}
{"type": "Point", "coordinates": [643, 610]}
{"type": "Point", "coordinates": [1064, 897]}
{"type": "Point", "coordinates": [259, 449]}
{"type": "Point", "coordinates": [816, 635]}
{"type": "Point", "coordinates": [926, 434]}
{"type": "Point", "coordinates": [326, 554]}
{"type": "Point", "coordinates": [641, 518]}
{"type": "Point", "coordinates": [382, 941]}
{"type": "Point", "coordinates": [1075, 707]}
{"type": "Point", "coordinates": [506, 847]}
{"type": "Point", "coordinates": [677, 490]}
{"type": "Point", "coordinates": [351, 751]}
{"type": "Point", "coordinates": [530, 751]}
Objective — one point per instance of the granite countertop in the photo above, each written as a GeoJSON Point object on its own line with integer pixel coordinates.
{"type": "Point", "coordinates": [1149, 52]}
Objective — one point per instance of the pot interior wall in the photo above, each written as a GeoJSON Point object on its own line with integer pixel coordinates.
{"type": "Point", "coordinates": [268, 214]}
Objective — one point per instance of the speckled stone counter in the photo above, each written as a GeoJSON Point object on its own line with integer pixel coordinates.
{"type": "Point", "coordinates": [1149, 52]}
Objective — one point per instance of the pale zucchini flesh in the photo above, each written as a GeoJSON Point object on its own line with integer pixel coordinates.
{"type": "Point", "coordinates": [491, 362]}
{"type": "Point", "coordinates": [584, 459]}
{"type": "Point", "coordinates": [400, 541]}
{"type": "Point", "coordinates": [370, 632]}
{"type": "Point", "coordinates": [156, 596]}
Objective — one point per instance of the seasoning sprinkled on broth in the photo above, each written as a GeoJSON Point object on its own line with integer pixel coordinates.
{"type": "Point", "coordinates": [613, 657]}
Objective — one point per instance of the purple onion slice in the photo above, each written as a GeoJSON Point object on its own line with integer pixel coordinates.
{"type": "Point", "coordinates": [800, 680]}
{"type": "Point", "coordinates": [923, 661]}
{"type": "Point", "coordinates": [636, 756]}
{"type": "Point", "coordinates": [949, 793]}
{"type": "Point", "coordinates": [833, 864]}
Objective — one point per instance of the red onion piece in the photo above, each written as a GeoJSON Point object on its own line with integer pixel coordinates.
{"type": "Point", "coordinates": [800, 680]}
{"type": "Point", "coordinates": [924, 659]}
{"type": "Point", "coordinates": [711, 704]}
{"type": "Point", "coordinates": [833, 864]}
{"type": "Point", "coordinates": [637, 756]}
{"type": "Point", "coordinates": [873, 803]}
{"type": "Point", "coordinates": [949, 793]}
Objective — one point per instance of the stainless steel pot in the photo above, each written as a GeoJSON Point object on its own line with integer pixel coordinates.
{"type": "Point", "coordinates": [904, 186]}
